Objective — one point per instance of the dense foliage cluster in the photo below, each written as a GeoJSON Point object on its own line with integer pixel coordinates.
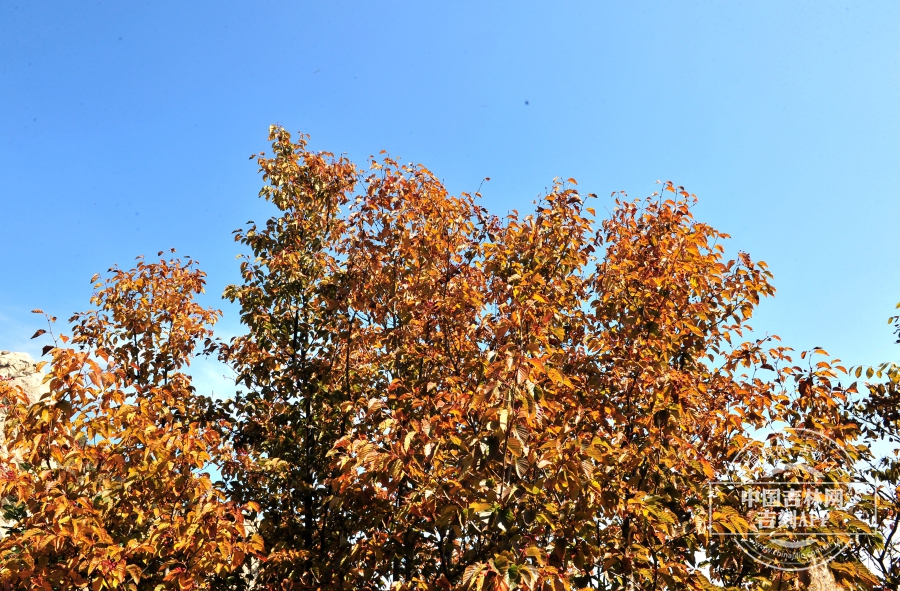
{"type": "Point", "coordinates": [428, 397]}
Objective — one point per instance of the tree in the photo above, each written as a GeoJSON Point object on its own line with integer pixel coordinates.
{"type": "Point", "coordinates": [438, 398]}
{"type": "Point", "coordinates": [877, 412]}
{"type": "Point", "coordinates": [284, 425]}
{"type": "Point", "coordinates": [430, 397]}
{"type": "Point", "coordinates": [102, 475]}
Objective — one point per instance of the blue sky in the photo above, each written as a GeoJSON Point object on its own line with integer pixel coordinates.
{"type": "Point", "coordinates": [125, 128]}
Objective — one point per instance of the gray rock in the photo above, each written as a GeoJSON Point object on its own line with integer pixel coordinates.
{"type": "Point", "coordinates": [22, 370]}
{"type": "Point", "coordinates": [821, 579]}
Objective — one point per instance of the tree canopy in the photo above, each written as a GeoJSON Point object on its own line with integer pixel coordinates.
{"type": "Point", "coordinates": [430, 396]}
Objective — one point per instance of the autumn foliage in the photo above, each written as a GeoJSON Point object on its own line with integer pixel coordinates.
{"type": "Point", "coordinates": [105, 488]}
{"type": "Point", "coordinates": [428, 397]}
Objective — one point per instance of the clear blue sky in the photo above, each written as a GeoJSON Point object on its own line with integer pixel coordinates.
{"type": "Point", "coordinates": [125, 128]}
